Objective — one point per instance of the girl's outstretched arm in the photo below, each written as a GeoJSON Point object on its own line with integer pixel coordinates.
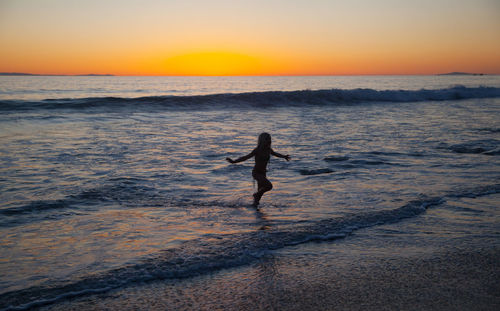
{"type": "Point", "coordinates": [279, 155]}
{"type": "Point", "coordinates": [243, 158]}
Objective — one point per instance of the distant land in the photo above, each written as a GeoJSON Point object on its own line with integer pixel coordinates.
{"type": "Point", "coordinates": [460, 74]}
{"type": "Point", "coordinates": [16, 74]}
{"type": "Point", "coordinates": [95, 75]}
{"type": "Point", "coordinates": [33, 74]}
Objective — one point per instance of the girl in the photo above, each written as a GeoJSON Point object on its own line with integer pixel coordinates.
{"type": "Point", "coordinates": [262, 154]}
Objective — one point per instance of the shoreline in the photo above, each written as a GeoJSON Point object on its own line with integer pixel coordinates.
{"type": "Point", "coordinates": [309, 281]}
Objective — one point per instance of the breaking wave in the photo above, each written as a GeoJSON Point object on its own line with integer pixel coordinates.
{"type": "Point", "coordinates": [257, 99]}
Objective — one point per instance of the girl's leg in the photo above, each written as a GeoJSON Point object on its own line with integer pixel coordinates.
{"type": "Point", "coordinates": [263, 185]}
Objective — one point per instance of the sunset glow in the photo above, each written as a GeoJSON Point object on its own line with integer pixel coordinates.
{"type": "Point", "coordinates": [249, 37]}
{"type": "Point", "coordinates": [213, 63]}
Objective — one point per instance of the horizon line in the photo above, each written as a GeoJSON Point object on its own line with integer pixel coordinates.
{"type": "Point", "coordinates": [269, 75]}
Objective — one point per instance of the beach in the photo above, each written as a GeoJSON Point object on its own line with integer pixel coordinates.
{"type": "Point", "coordinates": [351, 274]}
{"type": "Point", "coordinates": [410, 284]}
{"type": "Point", "coordinates": [116, 195]}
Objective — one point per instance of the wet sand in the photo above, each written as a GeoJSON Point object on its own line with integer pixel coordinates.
{"type": "Point", "coordinates": [316, 280]}
{"type": "Point", "coordinates": [437, 261]}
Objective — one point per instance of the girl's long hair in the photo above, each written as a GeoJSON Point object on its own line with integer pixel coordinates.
{"type": "Point", "coordinates": [264, 142]}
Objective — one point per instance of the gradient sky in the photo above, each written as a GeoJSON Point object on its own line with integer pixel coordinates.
{"type": "Point", "coordinates": [255, 37]}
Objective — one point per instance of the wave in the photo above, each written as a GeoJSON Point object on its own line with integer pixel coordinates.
{"type": "Point", "coordinates": [214, 252]}
{"type": "Point", "coordinates": [344, 162]}
{"type": "Point", "coordinates": [257, 99]}
{"type": "Point", "coordinates": [315, 171]}
{"type": "Point", "coordinates": [489, 147]}
{"type": "Point", "coordinates": [127, 191]}
{"type": "Point", "coordinates": [336, 158]}
{"type": "Point", "coordinates": [489, 129]}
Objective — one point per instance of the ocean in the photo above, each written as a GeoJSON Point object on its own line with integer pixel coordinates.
{"type": "Point", "coordinates": [115, 193]}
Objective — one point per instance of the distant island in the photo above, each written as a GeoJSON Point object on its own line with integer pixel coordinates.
{"type": "Point", "coordinates": [460, 74]}
{"type": "Point", "coordinates": [16, 74]}
{"type": "Point", "coordinates": [34, 74]}
{"type": "Point", "coordinates": [95, 75]}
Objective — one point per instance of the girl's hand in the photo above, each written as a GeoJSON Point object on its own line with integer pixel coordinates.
{"type": "Point", "coordinates": [229, 160]}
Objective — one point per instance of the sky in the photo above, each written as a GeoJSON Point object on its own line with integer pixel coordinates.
{"type": "Point", "coordinates": [254, 37]}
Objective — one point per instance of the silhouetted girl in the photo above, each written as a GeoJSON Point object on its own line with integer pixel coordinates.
{"type": "Point", "coordinates": [262, 153]}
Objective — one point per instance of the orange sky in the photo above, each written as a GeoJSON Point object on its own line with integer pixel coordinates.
{"type": "Point", "coordinates": [294, 37]}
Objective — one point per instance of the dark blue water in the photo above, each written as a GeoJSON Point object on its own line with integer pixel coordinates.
{"type": "Point", "coordinates": [98, 193]}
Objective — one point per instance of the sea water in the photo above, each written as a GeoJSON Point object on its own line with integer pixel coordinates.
{"type": "Point", "coordinates": [110, 181]}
